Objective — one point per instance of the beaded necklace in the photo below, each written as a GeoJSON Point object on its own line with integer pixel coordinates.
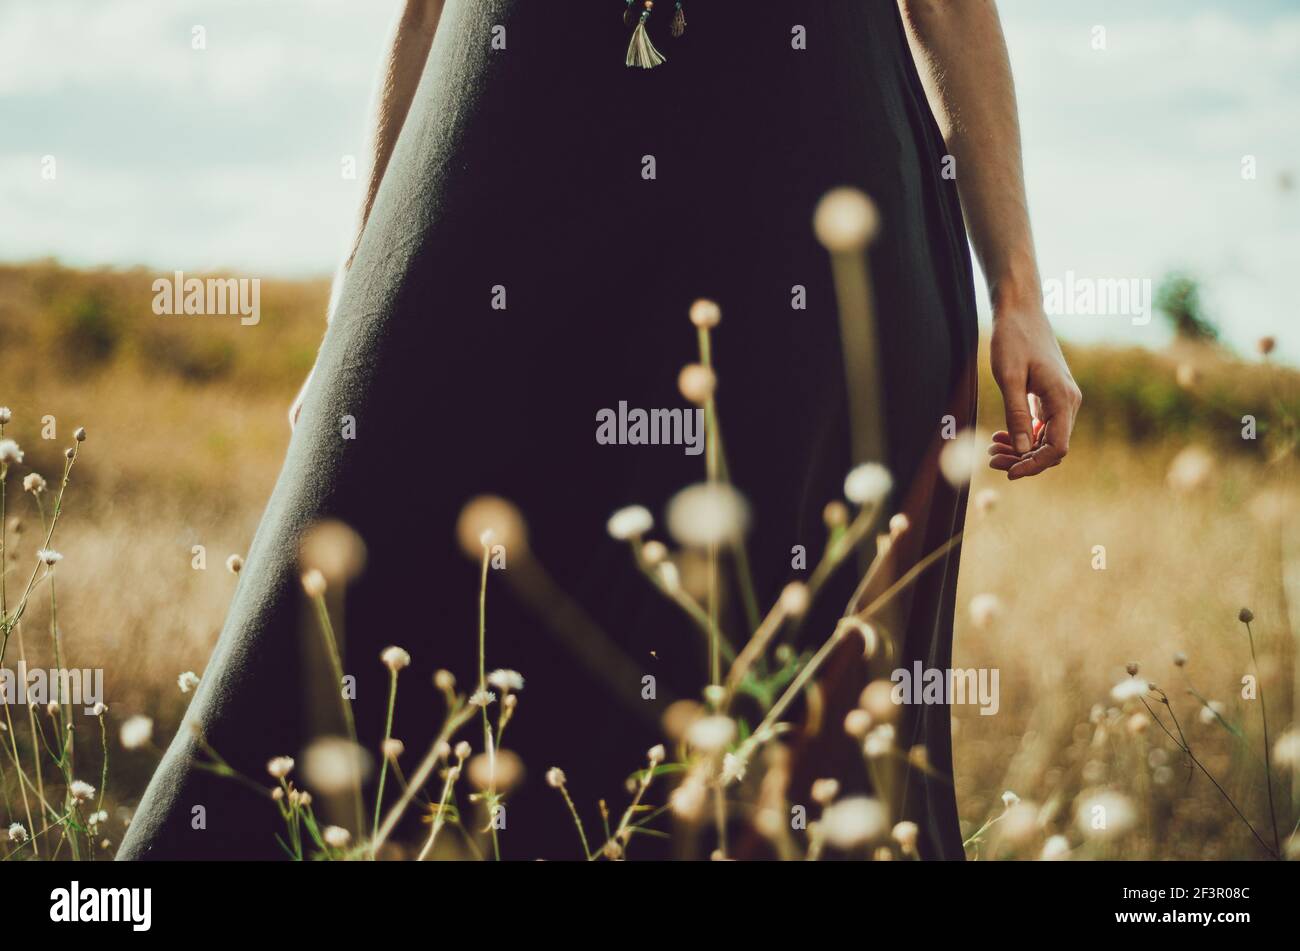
{"type": "Point", "coordinates": [640, 51]}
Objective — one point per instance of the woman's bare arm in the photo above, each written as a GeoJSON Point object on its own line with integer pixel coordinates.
{"type": "Point", "coordinates": [408, 49]}
{"type": "Point", "coordinates": [962, 57]}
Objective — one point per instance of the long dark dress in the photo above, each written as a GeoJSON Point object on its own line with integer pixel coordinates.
{"type": "Point", "coordinates": [522, 168]}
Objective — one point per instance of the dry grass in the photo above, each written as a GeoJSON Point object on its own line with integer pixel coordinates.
{"type": "Point", "coordinates": [183, 454]}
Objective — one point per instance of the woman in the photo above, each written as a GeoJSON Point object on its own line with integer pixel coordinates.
{"type": "Point", "coordinates": [527, 251]}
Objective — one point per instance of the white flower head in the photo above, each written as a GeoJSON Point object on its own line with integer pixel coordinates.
{"type": "Point", "coordinates": [136, 732]}
{"type": "Point", "coordinates": [1129, 689]}
{"type": "Point", "coordinates": [868, 484]}
{"type": "Point", "coordinates": [313, 583]}
{"type": "Point", "coordinates": [16, 831]}
{"type": "Point", "coordinates": [482, 698]}
{"type": "Point", "coordinates": [81, 791]}
{"type": "Point", "coordinates": [1286, 750]}
{"type": "Point", "coordinates": [10, 454]}
{"type": "Point", "coordinates": [1009, 799]}
{"type": "Point", "coordinates": [959, 457]}
{"type": "Point", "coordinates": [630, 522]}
{"type": "Point", "coordinates": [1055, 848]}
{"type": "Point", "coordinates": [49, 557]}
{"type": "Point", "coordinates": [853, 822]}
{"type": "Point", "coordinates": [845, 220]}
{"type": "Point", "coordinates": [879, 741]}
{"type": "Point", "coordinates": [688, 799]}
{"type": "Point", "coordinates": [905, 834]}
{"type": "Point", "coordinates": [393, 748]}
{"type": "Point", "coordinates": [395, 658]}
{"type": "Point", "coordinates": [1190, 469]}
{"type": "Point", "coordinates": [1211, 712]}
{"type": "Point", "coordinates": [708, 513]}
{"type": "Point", "coordinates": [332, 765]}
{"type": "Point", "coordinates": [733, 768]}
{"type": "Point", "coordinates": [280, 766]}
{"type": "Point", "coordinates": [711, 734]}
{"type": "Point", "coordinates": [506, 680]}
{"type": "Point", "coordinates": [34, 483]}
{"type": "Point", "coordinates": [1104, 815]}
{"type": "Point", "coordinates": [6, 414]}
{"type": "Point", "coordinates": [336, 837]}
{"type": "Point", "coordinates": [187, 681]}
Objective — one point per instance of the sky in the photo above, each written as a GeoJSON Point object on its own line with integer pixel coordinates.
{"type": "Point", "coordinates": [1137, 116]}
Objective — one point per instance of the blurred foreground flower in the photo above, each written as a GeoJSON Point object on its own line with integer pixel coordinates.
{"type": "Point", "coordinates": [707, 514]}
{"type": "Point", "coordinates": [959, 457]}
{"type": "Point", "coordinates": [332, 765]}
{"type": "Point", "coordinates": [136, 732]}
{"type": "Point", "coordinates": [1190, 469]}
{"type": "Point", "coordinates": [333, 549]}
{"type": "Point", "coordinates": [854, 822]}
{"type": "Point", "coordinates": [490, 513]}
{"type": "Point", "coordinates": [1104, 815]}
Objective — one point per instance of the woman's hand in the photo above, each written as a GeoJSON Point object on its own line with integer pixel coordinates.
{"type": "Point", "coordinates": [1040, 395]}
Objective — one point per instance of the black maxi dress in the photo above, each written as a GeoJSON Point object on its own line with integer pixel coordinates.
{"type": "Point", "coordinates": [522, 170]}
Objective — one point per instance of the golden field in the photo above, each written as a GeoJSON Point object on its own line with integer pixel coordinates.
{"type": "Point", "coordinates": [187, 431]}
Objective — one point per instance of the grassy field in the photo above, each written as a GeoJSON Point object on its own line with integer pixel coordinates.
{"type": "Point", "coordinates": [187, 432]}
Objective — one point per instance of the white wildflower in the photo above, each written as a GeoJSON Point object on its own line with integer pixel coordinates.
{"type": "Point", "coordinates": [1211, 712]}
{"type": "Point", "coordinates": [1286, 750]}
{"type": "Point", "coordinates": [1055, 848]}
{"type": "Point", "coordinates": [733, 768]}
{"type": "Point", "coordinates": [10, 454]}
{"type": "Point", "coordinates": [868, 484]}
{"type": "Point", "coordinates": [630, 522]}
{"type": "Point", "coordinates": [81, 791]}
{"type": "Point", "coordinates": [905, 834]}
{"type": "Point", "coordinates": [1129, 689]}
{"type": "Point", "coordinates": [313, 583]}
{"type": "Point", "coordinates": [1190, 469]}
{"type": "Point", "coordinates": [707, 514]}
{"type": "Point", "coordinates": [506, 680]}
{"type": "Point", "coordinates": [959, 457]}
{"type": "Point", "coordinates": [336, 837]}
{"type": "Point", "coordinates": [879, 741]}
{"type": "Point", "coordinates": [332, 765]}
{"type": "Point", "coordinates": [1104, 815]}
{"type": "Point", "coordinates": [395, 658]}
{"type": "Point", "coordinates": [845, 220]}
{"type": "Point", "coordinates": [853, 822]}
{"type": "Point", "coordinates": [136, 732]}
{"type": "Point", "coordinates": [187, 681]}
{"type": "Point", "coordinates": [711, 734]}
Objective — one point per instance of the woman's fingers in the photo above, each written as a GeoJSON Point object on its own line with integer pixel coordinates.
{"type": "Point", "coordinates": [1060, 404]}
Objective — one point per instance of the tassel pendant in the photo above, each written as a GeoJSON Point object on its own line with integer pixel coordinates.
{"type": "Point", "coordinates": [641, 52]}
{"type": "Point", "coordinates": [679, 21]}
